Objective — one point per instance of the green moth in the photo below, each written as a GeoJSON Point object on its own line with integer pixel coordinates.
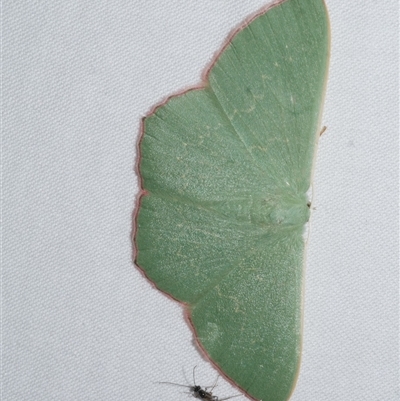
{"type": "Point", "coordinates": [225, 171]}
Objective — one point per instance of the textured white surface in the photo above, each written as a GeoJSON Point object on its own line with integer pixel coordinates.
{"type": "Point", "coordinates": [79, 321]}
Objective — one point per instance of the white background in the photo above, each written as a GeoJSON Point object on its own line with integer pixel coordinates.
{"type": "Point", "coordinates": [79, 320]}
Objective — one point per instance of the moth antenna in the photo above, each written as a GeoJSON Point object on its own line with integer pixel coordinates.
{"type": "Point", "coordinates": [194, 380]}
{"type": "Point", "coordinates": [174, 384]}
{"type": "Point", "coordinates": [214, 385]}
{"type": "Point", "coordinates": [228, 398]}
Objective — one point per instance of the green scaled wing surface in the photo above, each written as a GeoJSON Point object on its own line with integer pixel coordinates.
{"type": "Point", "coordinates": [225, 171]}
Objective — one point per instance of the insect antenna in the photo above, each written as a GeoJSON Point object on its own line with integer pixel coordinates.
{"type": "Point", "coordinates": [201, 393]}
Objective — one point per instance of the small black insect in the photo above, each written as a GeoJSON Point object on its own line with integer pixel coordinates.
{"type": "Point", "coordinates": [201, 393]}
